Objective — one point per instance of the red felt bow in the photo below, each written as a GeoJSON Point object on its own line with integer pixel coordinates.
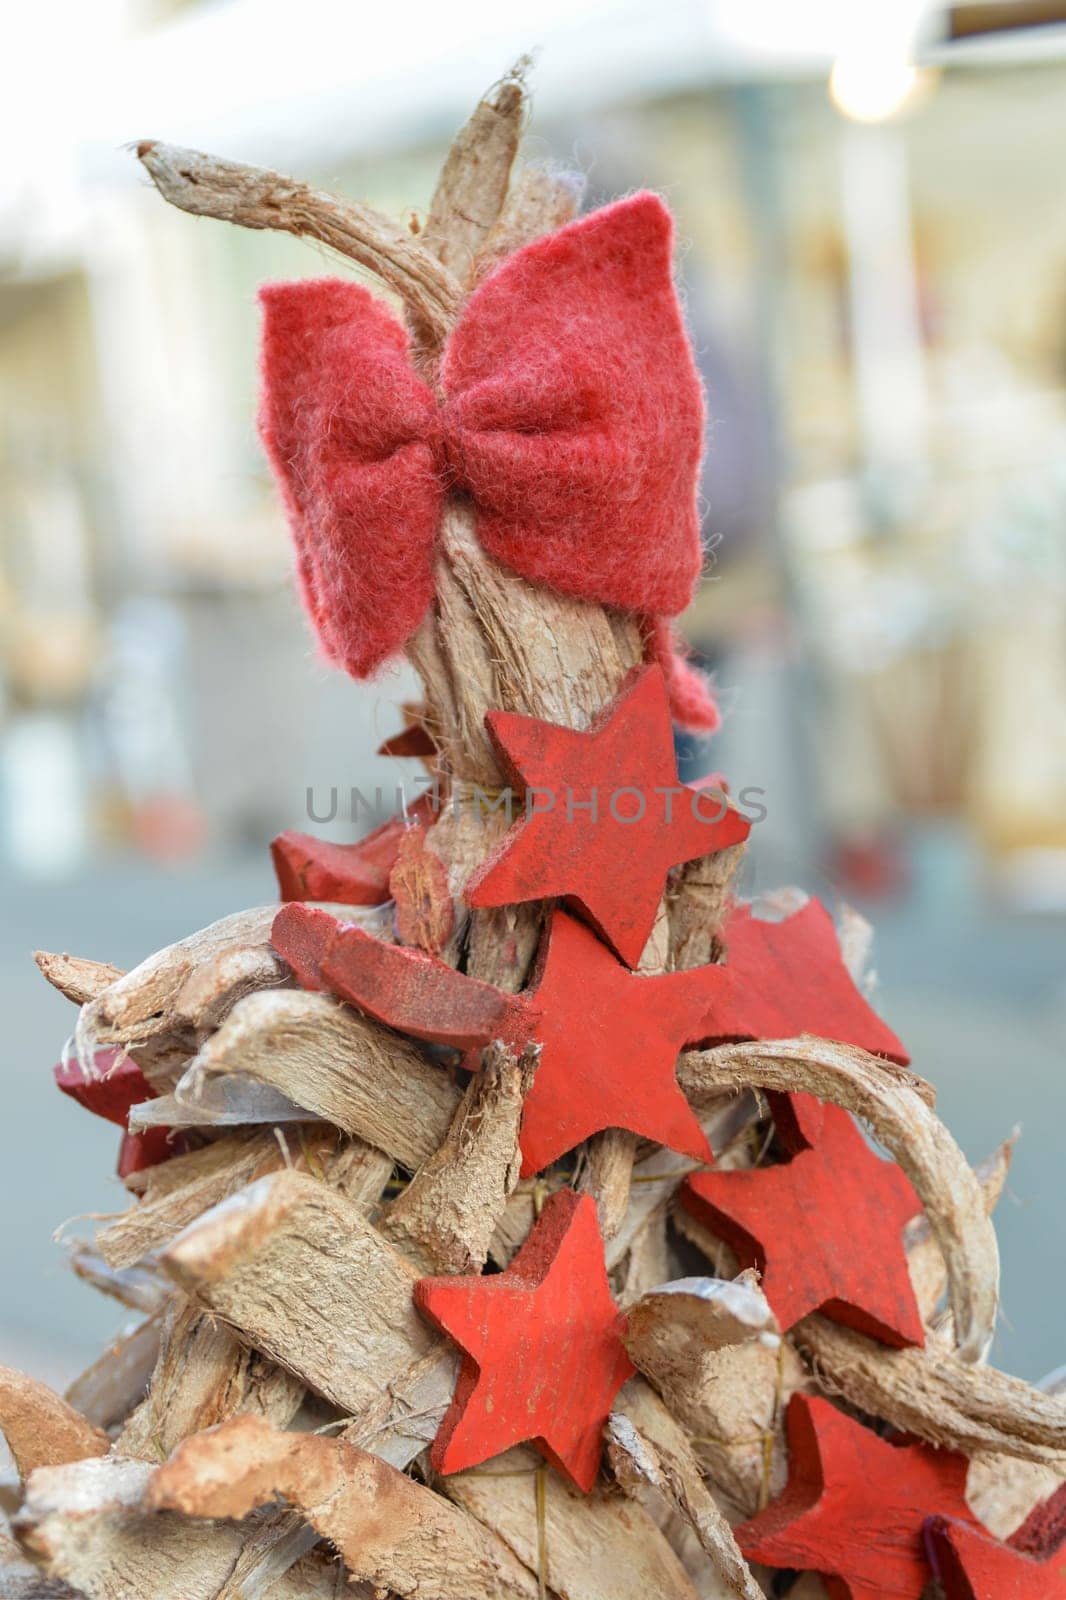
{"type": "Point", "coordinates": [569, 412]}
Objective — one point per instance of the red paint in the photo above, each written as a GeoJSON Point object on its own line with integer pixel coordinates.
{"type": "Point", "coordinates": [411, 741]}
{"type": "Point", "coordinates": [345, 874]}
{"type": "Point", "coordinates": [610, 1041]}
{"type": "Point", "coordinates": [1044, 1530]}
{"type": "Point", "coordinates": [141, 1150]}
{"type": "Point", "coordinates": [609, 834]}
{"type": "Point", "coordinates": [854, 1507]}
{"type": "Point", "coordinates": [402, 987]}
{"type": "Point", "coordinates": [542, 1347]}
{"type": "Point", "coordinates": [971, 1565]}
{"type": "Point", "coordinates": [823, 1229]}
{"type": "Point", "coordinates": [570, 414]}
{"type": "Point", "coordinates": [780, 979]}
{"type": "Point", "coordinates": [119, 1085]}
{"type": "Point", "coordinates": [1030, 1565]}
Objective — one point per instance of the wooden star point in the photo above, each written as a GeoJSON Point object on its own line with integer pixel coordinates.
{"type": "Point", "coordinates": [854, 1506]}
{"type": "Point", "coordinates": [1030, 1565]}
{"type": "Point", "coordinates": [823, 1229]}
{"type": "Point", "coordinates": [543, 1356]}
{"type": "Point", "coordinates": [606, 815]}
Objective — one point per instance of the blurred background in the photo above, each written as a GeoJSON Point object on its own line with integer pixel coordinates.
{"type": "Point", "coordinates": [873, 247]}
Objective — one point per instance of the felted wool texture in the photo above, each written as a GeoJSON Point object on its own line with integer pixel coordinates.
{"type": "Point", "coordinates": [570, 412]}
{"type": "Point", "coordinates": [692, 702]}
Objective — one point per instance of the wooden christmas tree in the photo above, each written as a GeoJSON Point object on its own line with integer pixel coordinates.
{"type": "Point", "coordinates": [499, 1221]}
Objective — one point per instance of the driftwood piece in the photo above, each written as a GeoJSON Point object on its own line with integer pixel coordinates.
{"type": "Point", "coordinates": [86, 1524]}
{"type": "Point", "coordinates": [141, 1288]}
{"type": "Point", "coordinates": [474, 179]}
{"type": "Point", "coordinates": [253, 197]}
{"type": "Point", "coordinates": [294, 1269]}
{"type": "Point", "coordinates": [203, 1376]}
{"type": "Point", "coordinates": [925, 1259]}
{"type": "Point", "coordinates": [107, 1391]}
{"type": "Point", "coordinates": [585, 1546]}
{"type": "Point", "coordinates": [540, 200]}
{"type": "Point", "coordinates": [390, 1531]}
{"type": "Point", "coordinates": [339, 1065]}
{"type": "Point", "coordinates": [41, 1428]}
{"type": "Point", "coordinates": [80, 980]}
{"type": "Point", "coordinates": [445, 1218]}
{"type": "Point", "coordinates": [146, 1011]}
{"type": "Point", "coordinates": [647, 1447]}
{"type": "Point", "coordinates": [169, 1204]}
{"type": "Point", "coordinates": [931, 1393]}
{"type": "Point", "coordinates": [710, 1349]}
{"type": "Point", "coordinates": [890, 1101]}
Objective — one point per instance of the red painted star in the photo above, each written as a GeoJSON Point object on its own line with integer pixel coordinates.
{"type": "Point", "coordinates": [609, 1047]}
{"type": "Point", "coordinates": [783, 978]}
{"type": "Point", "coordinates": [610, 1038]}
{"type": "Point", "coordinates": [1031, 1565]}
{"type": "Point", "coordinates": [851, 1264]}
{"type": "Point", "coordinates": [543, 1356]}
{"type": "Point", "coordinates": [854, 1506]}
{"type": "Point", "coordinates": [346, 874]}
{"type": "Point", "coordinates": [606, 815]}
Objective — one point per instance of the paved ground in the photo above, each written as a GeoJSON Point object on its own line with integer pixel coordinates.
{"type": "Point", "coordinates": [980, 1000]}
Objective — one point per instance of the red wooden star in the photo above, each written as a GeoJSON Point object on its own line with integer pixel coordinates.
{"type": "Point", "coordinates": [543, 1356]}
{"type": "Point", "coordinates": [346, 874]}
{"type": "Point", "coordinates": [609, 1046]}
{"type": "Point", "coordinates": [606, 815]}
{"type": "Point", "coordinates": [779, 979]}
{"type": "Point", "coordinates": [854, 1506]}
{"type": "Point", "coordinates": [1031, 1565]}
{"type": "Point", "coordinates": [823, 1229]}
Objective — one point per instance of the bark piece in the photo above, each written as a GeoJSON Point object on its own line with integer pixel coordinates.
{"type": "Point", "coordinates": [588, 1546]}
{"type": "Point", "coordinates": [80, 980]}
{"type": "Point", "coordinates": [145, 1010]}
{"type": "Point", "coordinates": [473, 181]}
{"type": "Point", "coordinates": [212, 1173]}
{"type": "Point", "coordinates": [292, 1266]}
{"type": "Point", "coordinates": [253, 197]}
{"type": "Point", "coordinates": [140, 1288]}
{"type": "Point", "coordinates": [107, 1391]}
{"type": "Point", "coordinates": [86, 1523]}
{"type": "Point", "coordinates": [390, 1531]}
{"type": "Point", "coordinates": [646, 1446]}
{"type": "Point", "coordinates": [418, 884]}
{"type": "Point", "coordinates": [540, 200]}
{"type": "Point", "coordinates": [339, 1065]}
{"type": "Point", "coordinates": [445, 1218]}
{"type": "Point", "coordinates": [204, 1375]}
{"type": "Point", "coordinates": [889, 1100]}
{"type": "Point", "coordinates": [935, 1396]}
{"type": "Point", "coordinates": [41, 1428]}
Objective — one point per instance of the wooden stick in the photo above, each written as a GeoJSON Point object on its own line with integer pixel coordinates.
{"type": "Point", "coordinates": [253, 197]}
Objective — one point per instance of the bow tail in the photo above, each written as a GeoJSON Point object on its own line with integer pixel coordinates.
{"type": "Point", "coordinates": [693, 706]}
{"type": "Point", "coordinates": [348, 428]}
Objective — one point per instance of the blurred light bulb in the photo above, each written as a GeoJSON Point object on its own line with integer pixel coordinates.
{"type": "Point", "coordinates": [871, 87]}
